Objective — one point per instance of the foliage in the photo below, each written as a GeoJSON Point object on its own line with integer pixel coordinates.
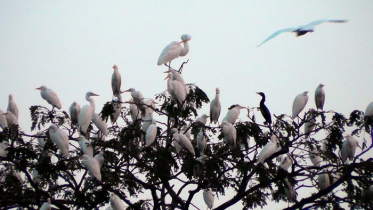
{"type": "Point", "coordinates": [131, 169]}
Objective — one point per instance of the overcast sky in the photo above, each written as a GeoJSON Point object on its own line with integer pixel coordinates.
{"type": "Point", "coordinates": [70, 46]}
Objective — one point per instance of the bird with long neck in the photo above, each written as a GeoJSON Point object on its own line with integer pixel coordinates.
{"type": "Point", "coordinates": [12, 106]}
{"type": "Point", "coordinates": [87, 112]}
{"type": "Point", "coordinates": [174, 50]}
{"type": "Point", "coordinates": [264, 110]}
{"type": "Point", "coordinates": [215, 107]}
{"type": "Point", "coordinates": [116, 81]}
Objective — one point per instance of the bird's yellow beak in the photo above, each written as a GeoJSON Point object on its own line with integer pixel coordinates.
{"type": "Point", "coordinates": [168, 76]}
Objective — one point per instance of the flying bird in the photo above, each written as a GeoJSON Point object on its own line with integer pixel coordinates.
{"type": "Point", "coordinates": [12, 106]}
{"type": "Point", "coordinates": [320, 97]}
{"type": "Point", "coordinates": [116, 82]}
{"type": "Point", "coordinates": [299, 103]}
{"type": "Point", "coordinates": [264, 110]}
{"type": "Point", "coordinates": [50, 96]}
{"type": "Point", "coordinates": [301, 30]}
{"type": "Point", "coordinates": [215, 107]}
{"type": "Point", "coordinates": [174, 50]}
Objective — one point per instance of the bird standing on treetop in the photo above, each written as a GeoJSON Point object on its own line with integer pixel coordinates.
{"type": "Point", "coordinates": [301, 30]}
{"type": "Point", "coordinates": [174, 50]}
{"type": "Point", "coordinates": [233, 113]}
{"type": "Point", "coordinates": [320, 97]}
{"type": "Point", "coordinates": [50, 96]}
{"type": "Point", "coordinates": [116, 82]}
{"type": "Point", "coordinates": [177, 76]}
{"type": "Point", "coordinates": [299, 103]}
{"type": "Point", "coordinates": [177, 91]}
{"type": "Point", "coordinates": [86, 114]}
{"type": "Point", "coordinates": [215, 107]}
{"type": "Point", "coordinates": [12, 106]}
{"type": "Point", "coordinates": [264, 110]}
{"type": "Point", "coordinates": [74, 111]}
{"type": "Point", "coordinates": [138, 98]}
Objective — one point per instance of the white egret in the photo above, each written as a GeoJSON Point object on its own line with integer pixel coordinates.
{"type": "Point", "coordinates": [116, 203]}
{"type": "Point", "coordinates": [117, 109]}
{"type": "Point", "coordinates": [100, 159]}
{"type": "Point", "coordinates": [116, 80]}
{"type": "Point", "coordinates": [92, 166]}
{"type": "Point", "coordinates": [369, 111]}
{"type": "Point", "coordinates": [86, 146]}
{"type": "Point", "coordinates": [176, 146]}
{"type": "Point", "coordinates": [215, 107]}
{"type": "Point", "coordinates": [35, 176]}
{"type": "Point", "coordinates": [230, 134]}
{"type": "Point", "coordinates": [47, 205]}
{"type": "Point", "coordinates": [134, 111]}
{"type": "Point", "coordinates": [264, 110]}
{"type": "Point", "coordinates": [3, 121]}
{"type": "Point", "coordinates": [176, 90]}
{"type": "Point", "coordinates": [299, 103]}
{"type": "Point", "coordinates": [100, 124]}
{"type": "Point", "coordinates": [267, 150]}
{"type": "Point", "coordinates": [146, 123]}
{"type": "Point", "coordinates": [41, 141]}
{"type": "Point", "coordinates": [320, 97]}
{"type": "Point", "coordinates": [177, 76]}
{"type": "Point", "coordinates": [201, 143]}
{"type": "Point", "coordinates": [74, 111]}
{"type": "Point", "coordinates": [11, 119]}
{"type": "Point", "coordinates": [310, 123]}
{"type": "Point", "coordinates": [174, 50]}
{"type": "Point", "coordinates": [233, 113]}
{"type": "Point", "coordinates": [12, 106]}
{"type": "Point", "coordinates": [151, 133]}
{"type": "Point", "coordinates": [3, 146]}
{"type": "Point", "coordinates": [202, 119]}
{"type": "Point", "coordinates": [290, 191]}
{"type": "Point", "coordinates": [150, 106]}
{"type": "Point", "coordinates": [324, 181]}
{"type": "Point", "coordinates": [50, 96]}
{"type": "Point", "coordinates": [183, 141]}
{"type": "Point", "coordinates": [314, 157]}
{"type": "Point", "coordinates": [301, 30]}
{"type": "Point", "coordinates": [348, 148]}
{"type": "Point", "coordinates": [286, 162]}
{"type": "Point", "coordinates": [86, 114]}
{"type": "Point", "coordinates": [137, 96]}
{"type": "Point", "coordinates": [208, 197]}
{"type": "Point", "coordinates": [60, 138]}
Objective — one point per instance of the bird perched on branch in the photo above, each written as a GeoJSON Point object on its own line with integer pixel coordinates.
{"type": "Point", "coordinates": [174, 50]}
{"type": "Point", "coordinates": [264, 110]}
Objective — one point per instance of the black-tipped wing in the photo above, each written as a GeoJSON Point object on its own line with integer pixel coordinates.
{"type": "Point", "coordinates": [318, 22]}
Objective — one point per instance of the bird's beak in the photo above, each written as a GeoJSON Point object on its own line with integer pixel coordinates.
{"type": "Point", "coordinates": [39, 88]}
{"type": "Point", "coordinates": [126, 91]}
{"type": "Point", "coordinates": [257, 92]}
{"type": "Point", "coordinates": [94, 94]}
{"type": "Point", "coordinates": [242, 107]}
{"type": "Point", "coordinates": [168, 76]}
{"type": "Point", "coordinates": [168, 71]}
{"type": "Point", "coordinates": [155, 102]}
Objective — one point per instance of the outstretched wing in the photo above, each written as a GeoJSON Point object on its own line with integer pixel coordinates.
{"type": "Point", "coordinates": [318, 22]}
{"type": "Point", "coordinates": [277, 33]}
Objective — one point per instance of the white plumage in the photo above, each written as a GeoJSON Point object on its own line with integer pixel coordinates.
{"type": "Point", "coordinates": [310, 123]}
{"type": "Point", "coordinates": [177, 76]}
{"type": "Point", "coordinates": [314, 157]}
{"type": "Point", "coordinates": [233, 113]}
{"type": "Point", "coordinates": [117, 109]}
{"type": "Point", "coordinates": [3, 121]}
{"type": "Point", "coordinates": [299, 103]}
{"type": "Point", "coordinates": [286, 162]}
{"type": "Point", "coordinates": [324, 181]}
{"type": "Point", "coordinates": [320, 97]}
{"type": "Point", "coordinates": [100, 159]}
{"type": "Point", "coordinates": [183, 141]}
{"type": "Point", "coordinates": [150, 105]}
{"type": "Point", "coordinates": [215, 107]}
{"type": "Point", "coordinates": [151, 133]}
{"type": "Point", "coordinates": [11, 119]}
{"type": "Point", "coordinates": [176, 90]}
{"type": "Point", "coordinates": [348, 148]}
{"type": "Point", "coordinates": [174, 50]}
{"type": "Point", "coordinates": [60, 138]}
{"type": "Point", "coordinates": [50, 96]}
{"type": "Point", "coordinates": [115, 202]}
{"type": "Point", "coordinates": [92, 166]}
{"type": "Point", "coordinates": [46, 205]}
{"type": "Point", "coordinates": [41, 141]}
{"type": "Point", "coordinates": [202, 119]}
{"type": "Point", "coordinates": [12, 106]}
{"type": "Point", "coordinates": [3, 146]}
{"type": "Point", "coordinates": [86, 146]}
{"type": "Point", "coordinates": [369, 110]}
{"type": "Point", "coordinates": [229, 133]}
{"type": "Point", "coordinates": [267, 150]}
{"type": "Point", "coordinates": [289, 191]}
{"type": "Point", "coordinates": [201, 143]}
{"type": "Point", "coordinates": [74, 111]}
{"type": "Point", "coordinates": [100, 124]}
{"type": "Point", "coordinates": [301, 30]}
{"type": "Point", "coordinates": [86, 114]}
{"type": "Point", "coordinates": [208, 197]}
{"type": "Point", "coordinates": [116, 81]}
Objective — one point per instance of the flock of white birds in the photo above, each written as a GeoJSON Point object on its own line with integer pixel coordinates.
{"type": "Point", "coordinates": [176, 87]}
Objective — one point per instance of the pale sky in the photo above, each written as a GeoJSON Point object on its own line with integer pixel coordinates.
{"type": "Point", "coordinates": [70, 46]}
